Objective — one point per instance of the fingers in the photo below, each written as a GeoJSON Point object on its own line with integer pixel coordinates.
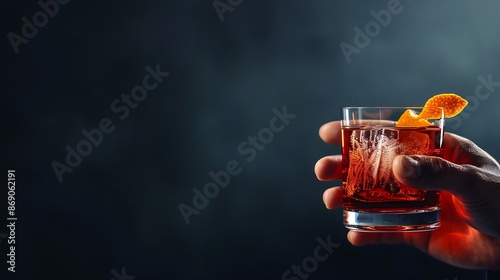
{"type": "Point", "coordinates": [333, 197]}
{"type": "Point", "coordinates": [330, 132]}
{"type": "Point", "coordinates": [329, 168]}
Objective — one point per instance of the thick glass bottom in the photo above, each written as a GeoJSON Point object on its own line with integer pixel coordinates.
{"type": "Point", "coordinates": [424, 220]}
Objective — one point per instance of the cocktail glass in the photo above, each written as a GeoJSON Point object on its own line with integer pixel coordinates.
{"type": "Point", "coordinates": [374, 200]}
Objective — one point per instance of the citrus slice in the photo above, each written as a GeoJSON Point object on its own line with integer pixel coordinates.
{"type": "Point", "coordinates": [411, 119]}
{"type": "Point", "coordinates": [451, 103]}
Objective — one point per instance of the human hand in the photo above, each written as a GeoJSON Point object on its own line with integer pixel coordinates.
{"type": "Point", "coordinates": [469, 180]}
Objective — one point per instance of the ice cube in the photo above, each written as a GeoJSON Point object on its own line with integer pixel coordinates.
{"type": "Point", "coordinates": [413, 143]}
{"type": "Point", "coordinates": [372, 153]}
{"type": "Point", "coordinates": [383, 154]}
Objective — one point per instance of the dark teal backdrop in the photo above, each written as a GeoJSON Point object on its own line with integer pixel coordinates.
{"type": "Point", "coordinates": [233, 98]}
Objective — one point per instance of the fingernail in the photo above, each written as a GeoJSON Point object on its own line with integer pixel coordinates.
{"type": "Point", "coordinates": [411, 168]}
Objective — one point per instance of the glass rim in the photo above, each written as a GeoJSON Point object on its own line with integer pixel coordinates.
{"type": "Point", "coordinates": [386, 115]}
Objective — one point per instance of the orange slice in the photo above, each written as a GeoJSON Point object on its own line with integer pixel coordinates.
{"type": "Point", "coordinates": [451, 103]}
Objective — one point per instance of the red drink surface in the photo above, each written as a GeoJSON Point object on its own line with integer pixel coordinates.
{"type": "Point", "coordinates": [367, 179]}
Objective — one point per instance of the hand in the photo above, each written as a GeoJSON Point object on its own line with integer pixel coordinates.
{"type": "Point", "coordinates": [469, 236]}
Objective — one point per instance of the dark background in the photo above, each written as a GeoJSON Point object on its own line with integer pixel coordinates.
{"type": "Point", "coordinates": [119, 207]}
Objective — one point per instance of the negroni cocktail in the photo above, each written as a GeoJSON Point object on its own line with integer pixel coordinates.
{"type": "Point", "coordinates": [374, 200]}
{"type": "Point", "coordinates": [372, 137]}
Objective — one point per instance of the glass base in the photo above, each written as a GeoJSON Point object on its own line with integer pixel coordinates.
{"type": "Point", "coordinates": [424, 220]}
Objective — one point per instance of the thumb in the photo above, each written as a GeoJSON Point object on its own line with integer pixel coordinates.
{"type": "Point", "coordinates": [435, 173]}
{"type": "Point", "coordinates": [477, 189]}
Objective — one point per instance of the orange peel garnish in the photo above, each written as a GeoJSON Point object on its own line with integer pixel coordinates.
{"type": "Point", "coordinates": [411, 119]}
{"type": "Point", "coordinates": [450, 103]}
